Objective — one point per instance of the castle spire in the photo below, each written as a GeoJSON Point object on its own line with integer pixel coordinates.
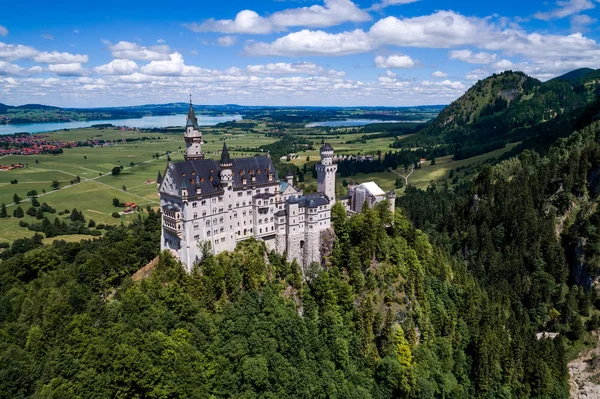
{"type": "Point", "coordinates": [225, 158]}
{"type": "Point", "coordinates": [191, 116]}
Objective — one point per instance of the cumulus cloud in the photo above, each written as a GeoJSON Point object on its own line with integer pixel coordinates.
{"type": "Point", "coordinates": [72, 69]}
{"type": "Point", "coordinates": [134, 51]}
{"type": "Point", "coordinates": [60, 58]}
{"type": "Point", "coordinates": [333, 12]}
{"type": "Point", "coordinates": [565, 9]}
{"type": "Point", "coordinates": [3, 31]}
{"type": "Point", "coordinates": [394, 61]}
{"type": "Point", "coordinates": [471, 57]}
{"type": "Point", "coordinates": [117, 67]}
{"type": "Point", "coordinates": [226, 41]}
{"type": "Point", "coordinates": [307, 42]}
{"type": "Point", "coordinates": [477, 74]}
{"type": "Point", "coordinates": [11, 52]}
{"type": "Point", "coordinates": [439, 74]}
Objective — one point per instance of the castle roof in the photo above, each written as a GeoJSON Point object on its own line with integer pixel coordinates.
{"type": "Point", "coordinates": [204, 173]}
{"type": "Point", "coordinates": [191, 117]}
{"type": "Point", "coordinates": [159, 178]}
{"type": "Point", "coordinates": [313, 200]}
{"type": "Point", "coordinates": [225, 159]}
{"type": "Point", "coordinates": [326, 147]}
{"type": "Point", "coordinates": [372, 188]}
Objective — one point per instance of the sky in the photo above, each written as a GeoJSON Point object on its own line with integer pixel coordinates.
{"type": "Point", "coordinates": [283, 52]}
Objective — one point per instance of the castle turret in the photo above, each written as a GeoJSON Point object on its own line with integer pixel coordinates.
{"type": "Point", "coordinates": [391, 197]}
{"type": "Point", "coordinates": [159, 179]}
{"type": "Point", "coordinates": [193, 136]}
{"type": "Point", "coordinates": [326, 172]}
{"type": "Point", "coordinates": [289, 177]}
{"type": "Point", "coordinates": [226, 164]}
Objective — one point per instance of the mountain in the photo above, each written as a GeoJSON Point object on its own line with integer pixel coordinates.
{"type": "Point", "coordinates": [574, 75]}
{"type": "Point", "coordinates": [511, 107]}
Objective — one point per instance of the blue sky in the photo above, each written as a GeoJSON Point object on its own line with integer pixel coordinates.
{"type": "Point", "coordinates": [303, 52]}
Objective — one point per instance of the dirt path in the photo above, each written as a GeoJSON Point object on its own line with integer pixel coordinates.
{"type": "Point", "coordinates": [405, 177]}
{"type": "Point", "coordinates": [585, 373]}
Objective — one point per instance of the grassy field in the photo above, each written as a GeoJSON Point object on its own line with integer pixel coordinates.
{"type": "Point", "coordinates": [422, 177]}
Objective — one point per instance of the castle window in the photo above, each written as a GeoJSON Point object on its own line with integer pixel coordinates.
{"type": "Point", "coordinates": [258, 171]}
{"type": "Point", "coordinates": [203, 213]}
{"type": "Point", "coordinates": [261, 230]}
{"type": "Point", "coordinates": [251, 172]}
{"type": "Point", "coordinates": [183, 174]}
{"type": "Point", "coordinates": [196, 237]}
{"type": "Point", "coordinates": [259, 221]}
{"type": "Point", "coordinates": [215, 221]}
{"type": "Point", "coordinates": [241, 172]}
{"type": "Point", "coordinates": [222, 229]}
{"type": "Point", "coordinates": [195, 215]}
{"type": "Point", "coordinates": [193, 173]}
{"type": "Point", "coordinates": [211, 178]}
{"type": "Point", "coordinates": [221, 219]}
{"type": "Point", "coordinates": [240, 193]}
{"type": "Point", "coordinates": [191, 181]}
{"type": "Point", "coordinates": [237, 204]}
{"type": "Point", "coordinates": [202, 180]}
{"type": "Point", "coordinates": [208, 222]}
{"type": "Point", "coordinates": [204, 201]}
{"type": "Point", "coordinates": [212, 170]}
{"type": "Point", "coordinates": [194, 204]}
{"type": "Point", "coordinates": [208, 233]}
{"type": "Point", "coordinates": [222, 239]}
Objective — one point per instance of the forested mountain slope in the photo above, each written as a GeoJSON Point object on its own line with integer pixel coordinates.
{"type": "Point", "coordinates": [510, 107]}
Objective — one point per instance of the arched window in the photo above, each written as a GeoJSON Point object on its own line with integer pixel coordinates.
{"type": "Point", "coordinates": [195, 215]}
{"type": "Point", "coordinates": [208, 222]}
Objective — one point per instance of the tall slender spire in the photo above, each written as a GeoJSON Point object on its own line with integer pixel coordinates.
{"type": "Point", "coordinates": [225, 159]}
{"type": "Point", "coordinates": [191, 117]}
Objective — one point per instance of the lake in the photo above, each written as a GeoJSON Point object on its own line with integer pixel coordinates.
{"type": "Point", "coordinates": [144, 122]}
{"type": "Point", "coordinates": [355, 122]}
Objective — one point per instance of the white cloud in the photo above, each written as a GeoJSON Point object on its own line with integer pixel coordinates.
{"type": "Point", "coordinates": [387, 3]}
{"type": "Point", "coordinates": [394, 61]}
{"type": "Point", "coordinates": [439, 74]}
{"type": "Point", "coordinates": [161, 41]}
{"type": "Point", "coordinates": [442, 29]}
{"type": "Point", "coordinates": [9, 69]}
{"type": "Point", "coordinates": [477, 74]}
{"type": "Point", "coordinates": [3, 31]}
{"type": "Point", "coordinates": [565, 9]}
{"type": "Point", "coordinates": [117, 67]}
{"type": "Point", "coordinates": [73, 69]}
{"type": "Point", "coordinates": [226, 41]}
{"type": "Point", "coordinates": [333, 12]}
{"type": "Point", "coordinates": [47, 36]}
{"type": "Point", "coordinates": [472, 58]}
{"type": "Point", "coordinates": [283, 68]}
{"type": "Point", "coordinates": [307, 42]}
{"type": "Point", "coordinates": [60, 58]}
{"type": "Point", "coordinates": [133, 51]}
{"type": "Point", "coordinates": [12, 52]}
{"type": "Point", "coordinates": [580, 22]}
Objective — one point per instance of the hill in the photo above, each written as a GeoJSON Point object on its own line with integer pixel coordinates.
{"type": "Point", "coordinates": [511, 107]}
{"type": "Point", "coordinates": [574, 75]}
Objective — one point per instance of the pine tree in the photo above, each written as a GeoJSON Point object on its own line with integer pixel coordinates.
{"type": "Point", "coordinates": [18, 213]}
{"type": "Point", "coordinates": [3, 213]}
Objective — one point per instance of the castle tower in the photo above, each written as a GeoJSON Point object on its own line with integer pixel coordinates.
{"type": "Point", "coordinates": [391, 197]}
{"type": "Point", "coordinates": [226, 164]}
{"type": "Point", "coordinates": [193, 137]}
{"type": "Point", "coordinates": [326, 172]}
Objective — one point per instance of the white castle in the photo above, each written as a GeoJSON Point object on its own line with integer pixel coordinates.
{"type": "Point", "coordinates": [222, 203]}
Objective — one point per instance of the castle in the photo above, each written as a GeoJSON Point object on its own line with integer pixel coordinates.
{"type": "Point", "coordinates": [227, 201]}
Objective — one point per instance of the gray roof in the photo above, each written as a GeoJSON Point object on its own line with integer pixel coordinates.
{"type": "Point", "coordinates": [310, 200]}
{"type": "Point", "coordinates": [280, 213]}
{"type": "Point", "coordinates": [171, 208]}
{"type": "Point", "coordinates": [326, 147]}
{"type": "Point", "coordinates": [260, 167]}
{"type": "Point", "coordinates": [191, 117]}
{"type": "Point", "coordinates": [198, 173]}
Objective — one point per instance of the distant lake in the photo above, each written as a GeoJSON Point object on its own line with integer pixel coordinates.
{"type": "Point", "coordinates": [355, 122]}
{"type": "Point", "coordinates": [144, 122]}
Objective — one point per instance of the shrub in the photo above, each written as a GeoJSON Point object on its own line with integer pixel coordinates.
{"type": "Point", "coordinates": [31, 211]}
{"type": "Point", "coordinates": [91, 223]}
{"type": "Point", "coordinates": [116, 215]}
{"type": "Point", "coordinates": [18, 213]}
{"type": "Point", "coordinates": [23, 223]}
{"type": "Point", "coordinates": [99, 226]}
